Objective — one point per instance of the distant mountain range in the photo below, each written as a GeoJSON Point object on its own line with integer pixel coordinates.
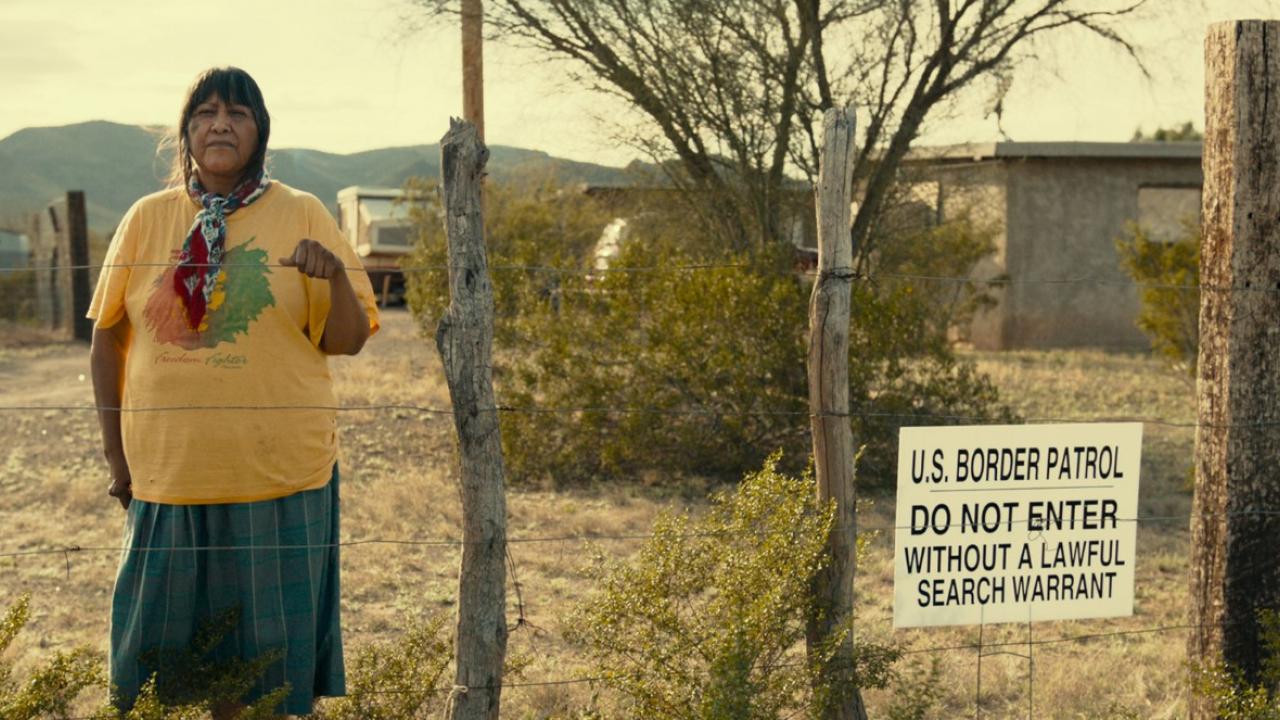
{"type": "Point", "coordinates": [116, 164]}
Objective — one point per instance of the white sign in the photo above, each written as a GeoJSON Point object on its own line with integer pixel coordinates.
{"type": "Point", "coordinates": [1015, 523]}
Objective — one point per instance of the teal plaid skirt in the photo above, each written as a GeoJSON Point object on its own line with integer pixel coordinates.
{"type": "Point", "coordinates": [187, 568]}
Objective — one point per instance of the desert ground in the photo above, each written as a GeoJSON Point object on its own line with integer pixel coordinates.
{"type": "Point", "coordinates": [399, 484]}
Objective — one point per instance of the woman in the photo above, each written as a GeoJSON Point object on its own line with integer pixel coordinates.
{"type": "Point", "coordinates": [221, 298]}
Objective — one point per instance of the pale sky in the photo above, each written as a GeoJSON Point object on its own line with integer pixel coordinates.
{"type": "Point", "coordinates": [343, 75]}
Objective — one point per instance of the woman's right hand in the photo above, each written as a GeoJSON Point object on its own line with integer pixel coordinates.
{"type": "Point", "coordinates": [121, 487]}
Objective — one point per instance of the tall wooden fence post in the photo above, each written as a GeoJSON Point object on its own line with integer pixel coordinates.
{"type": "Point", "coordinates": [465, 341]}
{"type": "Point", "coordinates": [1235, 531]}
{"type": "Point", "coordinates": [78, 237]}
{"type": "Point", "coordinates": [833, 447]}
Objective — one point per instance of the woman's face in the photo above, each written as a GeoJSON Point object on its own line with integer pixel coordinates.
{"type": "Point", "coordinates": [223, 137]}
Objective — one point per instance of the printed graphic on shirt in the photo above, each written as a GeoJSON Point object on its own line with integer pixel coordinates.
{"type": "Point", "coordinates": [241, 294]}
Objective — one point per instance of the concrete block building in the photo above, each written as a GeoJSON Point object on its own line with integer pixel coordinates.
{"type": "Point", "coordinates": [1060, 207]}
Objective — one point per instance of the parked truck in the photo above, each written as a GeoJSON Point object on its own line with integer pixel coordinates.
{"type": "Point", "coordinates": [376, 223]}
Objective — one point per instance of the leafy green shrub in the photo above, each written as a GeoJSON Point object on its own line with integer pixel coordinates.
{"type": "Point", "coordinates": [193, 677]}
{"type": "Point", "coordinates": [190, 685]}
{"type": "Point", "coordinates": [666, 365]}
{"type": "Point", "coordinates": [903, 372]}
{"type": "Point", "coordinates": [1170, 275]}
{"type": "Point", "coordinates": [148, 706]}
{"type": "Point", "coordinates": [397, 680]}
{"type": "Point", "coordinates": [404, 678]}
{"type": "Point", "coordinates": [387, 681]}
{"type": "Point", "coordinates": [682, 372]}
{"type": "Point", "coordinates": [932, 260]}
{"type": "Point", "coordinates": [707, 620]}
{"type": "Point", "coordinates": [54, 687]}
{"type": "Point", "coordinates": [538, 225]}
{"type": "Point", "coordinates": [1232, 694]}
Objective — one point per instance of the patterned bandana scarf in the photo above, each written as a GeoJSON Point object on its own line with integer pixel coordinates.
{"type": "Point", "coordinates": [200, 264]}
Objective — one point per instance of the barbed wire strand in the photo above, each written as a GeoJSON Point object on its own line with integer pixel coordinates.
{"type": "Point", "coordinates": [582, 538]}
{"type": "Point", "coordinates": [929, 650]}
{"type": "Point", "coordinates": [428, 410]}
{"type": "Point", "coordinates": [845, 273]}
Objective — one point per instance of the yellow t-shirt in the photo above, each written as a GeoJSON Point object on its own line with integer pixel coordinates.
{"type": "Point", "coordinates": [241, 410]}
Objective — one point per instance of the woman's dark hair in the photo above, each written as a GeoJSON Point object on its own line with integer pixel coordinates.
{"type": "Point", "coordinates": [233, 85]}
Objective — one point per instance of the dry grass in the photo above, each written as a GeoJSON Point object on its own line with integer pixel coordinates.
{"type": "Point", "coordinates": [399, 482]}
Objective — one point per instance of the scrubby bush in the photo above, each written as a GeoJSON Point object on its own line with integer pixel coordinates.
{"type": "Point", "coordinates": [1169, 273]}
{"type": "Point", "coordinates": [1236, 698]}
{"type": "Point", "coordinates": [397, 680]}
{"type": "Point", "coordinates": [686, 358]}
{"type": "Point", "coordinates": [188, 687]}
{"type": "Point", "coordinates": [196, 676]}
{"type": "Point", "coordinates": [52, 688]}
{"type": "Point", "coordinates": [681, 372]}
{"type": "Point", "coordinates": [707, 621]}
{"type": "Point", "coordinates": [532, 228]}
{"type": "Point", "coordinates": [148, 706]}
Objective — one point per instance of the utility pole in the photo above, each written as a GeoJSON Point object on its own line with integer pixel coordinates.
{"type": "Point", "coordinates": [473, 64]}
{"type": "Point", "coordinates": [1235, 570]}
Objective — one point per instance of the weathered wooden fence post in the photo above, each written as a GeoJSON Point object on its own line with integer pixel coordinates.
{"type": "Point", "coordinates": [78, 237]}
{"type": "Point", "coordinates": [1235, 530]}
{"type": "Point", "coordinates": [40, 286]}
{"type": "Point", "coordinates": [465, 340]}
{"type": "Point", "coordinates": [53, 288]}
{"type": "Point", "coordinates": [833, 447]}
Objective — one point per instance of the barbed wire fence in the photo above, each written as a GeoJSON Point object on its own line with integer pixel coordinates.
{"type": "Point", "coordinates": [982, 647]}
{"type": "Point", "coordinates": [1224, 77]}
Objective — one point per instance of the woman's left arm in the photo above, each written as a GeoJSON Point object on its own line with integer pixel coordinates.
{"type": "Point", "coordinates": [347, 327]}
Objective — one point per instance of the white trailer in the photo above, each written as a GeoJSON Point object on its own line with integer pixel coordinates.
{"type": "Point", "coordinates": [376, 223]}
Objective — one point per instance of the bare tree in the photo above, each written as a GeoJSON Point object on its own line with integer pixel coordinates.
{"type": "Point", "coordinates": [733, 91]}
